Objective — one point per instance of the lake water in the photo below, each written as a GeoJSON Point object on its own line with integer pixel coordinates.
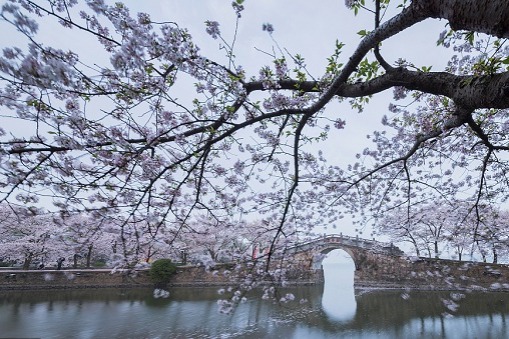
{"type": "Point", "coordinates": [331, 311]}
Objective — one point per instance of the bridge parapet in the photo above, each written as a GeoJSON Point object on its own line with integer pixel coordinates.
{"type": "Point", "coordinates": [347, 241]}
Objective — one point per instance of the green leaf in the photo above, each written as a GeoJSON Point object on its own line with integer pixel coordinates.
{"type": "Point", "coordinates": [362, 32]}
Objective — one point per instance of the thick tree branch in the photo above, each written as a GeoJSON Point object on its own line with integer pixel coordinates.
{"type": "Point", "coordinates": [486, 91]}
{"type": "Point", "coordinates": [484, 16]}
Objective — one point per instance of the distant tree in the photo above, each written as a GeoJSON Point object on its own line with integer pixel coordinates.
{"type": "Point", "coordinates": [210, 240]}
{"type": "Point", "coordinates": [115, 135]}
{"type": "Point", "coordinates": [401, 227]}
{"type": "Point", "coordinates": [25, 237]}
{"type": "Point", "coordinates": [451, 226]}
{"type": "Point", "coordinates": [86, 238]}
{"type": "Point", "coordinates": [424, 226]}
{"type": "Point", "coordinates": [492, 233]}
{"type": "Point", "coordinates": [460, 238]}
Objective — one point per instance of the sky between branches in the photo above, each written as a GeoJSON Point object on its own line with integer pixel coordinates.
{"type": "Point", "coordinates": [304, 27]}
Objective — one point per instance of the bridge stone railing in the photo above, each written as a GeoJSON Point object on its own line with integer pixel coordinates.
{"type": "Point", "coordinates": [345, 240]}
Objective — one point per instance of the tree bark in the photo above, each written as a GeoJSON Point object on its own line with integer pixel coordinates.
{"type": "Point", "coordinates": [89, 255]}
{"type": "Point", "coordinates": [484, 16]}
{"type": "Point", "coordinates": [27, 261]}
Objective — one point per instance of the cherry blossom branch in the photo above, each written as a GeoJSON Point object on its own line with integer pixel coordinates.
{"type": "Point", "coordinates": [456, 120]}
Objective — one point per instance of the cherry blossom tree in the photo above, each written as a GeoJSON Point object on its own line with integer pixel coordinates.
{"type": "Point", "coordinates": [448, 226]}
{"type": "Point", "coordinates": [212, 241]}
{"type": "Point", "coordinates": [27, 237]}
{"type": "Point", "coordinates": [425, 226]}
{"type": "Point", "coordinates": [460, 238]}
{"type": "Point", "coordinates": [401, 226]}
{"type": "Point", "coordinates": [85, 238]}
{"type": "Point", "coordinates": [492, 234]}
{"type": "Point", "coordinates": [112, 133]}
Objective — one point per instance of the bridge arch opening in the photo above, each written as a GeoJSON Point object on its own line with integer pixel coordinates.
{"type": "Point", "coordinates": [338, 299]}
{"type": "Point", "coordinates": [338, 267]}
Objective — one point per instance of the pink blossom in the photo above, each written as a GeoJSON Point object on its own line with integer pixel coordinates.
{"type": "Point", "coordinates": [350, 3]}
{"type": "Point", "coordinates": [339, 123]}
{"type": "Point", "coordinates": [268, 28]}
{"type": "Point", "coordinates": [212, 28]}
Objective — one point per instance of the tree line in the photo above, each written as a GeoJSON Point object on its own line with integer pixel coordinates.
{"type": "Point", "coordinates": [450, 229]}
{"type": "Point", "coordinates": [39, 240]}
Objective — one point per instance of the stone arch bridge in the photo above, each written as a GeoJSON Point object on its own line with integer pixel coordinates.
{"type": "Point", "coordinates": [383, 265]}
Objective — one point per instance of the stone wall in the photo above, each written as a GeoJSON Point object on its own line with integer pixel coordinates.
{"type": "Point", "coordinates": [19, 279]}
{"type": "Point", "coordinates": [374, 270]}
{"type": "Point", "coordinates": [381, 271]}
{"type": "Point", "coordinates": [94, 278]}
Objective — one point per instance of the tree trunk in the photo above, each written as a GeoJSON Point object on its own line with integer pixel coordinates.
{"type": "Point", "coordinates": [417, 252]}
{"type": "Point", "coordinates": [495, 256]}
{"type": "Point", "coordinates": [150, 254]}
{"type": "Point", "coordinates": [89, 255]}
{"type": "Point", "coordinates": [27, 261]}
{"type": "Point", "coordinates": [436, 249]}
{"type": "Point", "coordinates": [147, 258]}
{"type": "Point", "coordinates": [481, 251]}
{"type": "Point", "coordinates": [212, 254]}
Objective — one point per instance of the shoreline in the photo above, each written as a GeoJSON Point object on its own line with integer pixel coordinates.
{"type": "Point", "coordinates": [359, 290]}
{"type": "Point", "coordinates": [191, 276]}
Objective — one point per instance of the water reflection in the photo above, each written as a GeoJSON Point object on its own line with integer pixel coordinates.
{"type": "Point", "coordinates": [192, 313]}
{"type": "Point", "coordinates": [338, 299]}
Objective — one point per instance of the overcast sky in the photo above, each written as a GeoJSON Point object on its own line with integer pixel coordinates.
{"type": "Point", "coordinates": [309, 28]}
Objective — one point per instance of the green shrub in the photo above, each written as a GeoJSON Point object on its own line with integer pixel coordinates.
{"type": "Point", "coordinates": [162, 270]}
{"type": "Point", "coordinates": [100, 263]}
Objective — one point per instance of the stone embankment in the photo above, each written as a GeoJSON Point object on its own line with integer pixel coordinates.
{"type": "Point", "coordinates": [221, 275]}
{"type": "Point", "coordinates": [431, 274]}
{"type": "Point", "coordinates": [374, 271]}
{"type": "Point", "coordinates": [95, 278]}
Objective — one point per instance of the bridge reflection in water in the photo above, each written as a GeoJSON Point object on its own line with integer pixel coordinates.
{"type": "Point", "coordinates": [193, 313]}
{"type": "Point", "coordinates": [338, 300]}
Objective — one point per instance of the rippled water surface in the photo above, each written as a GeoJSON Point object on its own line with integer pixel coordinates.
{"type": "Point", "coordinates": [331, 311]}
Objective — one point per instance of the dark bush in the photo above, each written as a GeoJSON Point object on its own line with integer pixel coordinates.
{"type": "Point", "coordinates": [162, 270]}
{"type": "Point", "coordinates": [99, 263]}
